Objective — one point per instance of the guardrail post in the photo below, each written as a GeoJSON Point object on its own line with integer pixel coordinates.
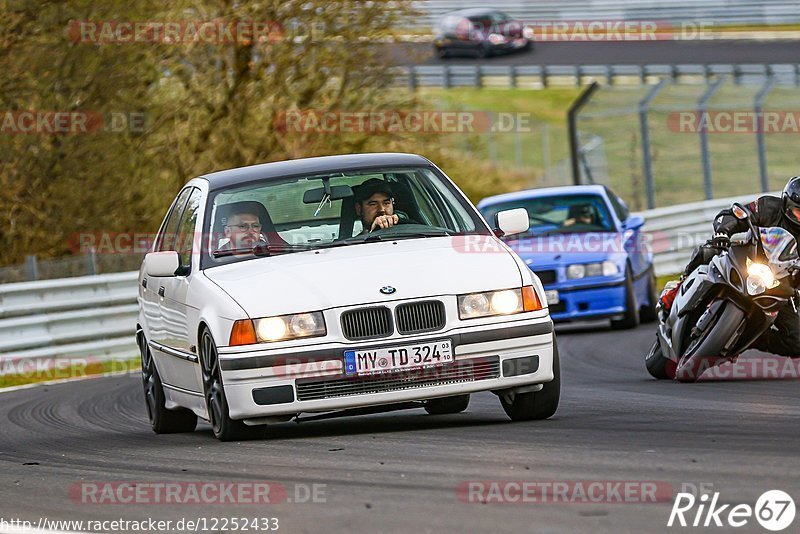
{"type": "Point", "coordinates": [644, 106]}
{"type": "Point", "coordinates": [545, 74]}
{"type": "Point", "coordinates": [758, 107]}
{"type": "Point", "coordinates": [31, 268]}
{"type": "Point", "coordinates": [479, 77]}
{"type": "Point", "coordinates": [702, 108]}
{"type": "Point", "coordinates": [412, 78]}
{"type": "Point", "coordinates": [512, 76]}
{"type": "Point", "coordinates": [572, 129]}
{"type": "Point", "coordinates": [446, 77]}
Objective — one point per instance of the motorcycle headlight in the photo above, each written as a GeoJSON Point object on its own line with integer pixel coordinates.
{"type": "Point", "coordinates": [759, 278]}
{"type": "Point", "coordinates": [503, 302]}
{"type": "Point", "coordinates": [285, 327]}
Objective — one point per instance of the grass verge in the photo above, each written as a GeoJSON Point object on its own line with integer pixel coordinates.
{"type": "Point", "coordinates": [32, 372]}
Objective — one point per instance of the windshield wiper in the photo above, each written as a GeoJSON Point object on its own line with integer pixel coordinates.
{"type": "Point", "coordinates": [267, 249]}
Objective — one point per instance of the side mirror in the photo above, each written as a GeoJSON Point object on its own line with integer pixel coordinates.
{"type": "Point", "coordinates": [739, 211]}
{"type": "Point", "coordinates": [161, 263]}
{"type": "Point", "coordinates": [513, 222]}
{"type": "Point", "coordinates": [633, 222]}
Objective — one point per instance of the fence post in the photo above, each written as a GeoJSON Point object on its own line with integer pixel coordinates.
{"type": "Point", "coordinates": [758, 105]}
{"type": "Point", "coordinates": [572, 129]}
{"type": "Point", "coordinates": [702, 107]}
{"type": "Point", "coordinates": [31, 268]}
{"type": "Point", "coordinates": [91, 261]}
{"type": "Point", "coordinates": [644, 106]}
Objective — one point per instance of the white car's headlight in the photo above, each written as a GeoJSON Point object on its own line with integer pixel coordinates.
{"type": "Point", "coordinates": [583, 270]}
{"type": "Point", "coordinates": [503, 302]}
{"type": "Point", "coordinates": [279, 328]}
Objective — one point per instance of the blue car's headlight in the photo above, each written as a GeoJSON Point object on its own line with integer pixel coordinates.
{"type": "Point", "coordinates": [577, 271]}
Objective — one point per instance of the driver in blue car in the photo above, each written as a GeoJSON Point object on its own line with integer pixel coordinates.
{"type": "Point", "coordinates": [374, 203]}
{"type": "Point", "coordinates": [783, 338]}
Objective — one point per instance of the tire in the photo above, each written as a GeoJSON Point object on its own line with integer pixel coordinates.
{"type": "Point", "coordinates": [537, 404]}
{"type": "Point", "coordinates": [224, 428]}
{"type": "Point", "coordinates": [442, 53]}
{"type": "Point", "coordinates": [647, 313]}
{"type": "Point", "coordinates": [447, 405]}
{"type": "Point", "coordinates": [631, 318]}
{"type": "Point", "coordinates": [162, 420]}
{"type": "Point", "coordinates": [482, 52]}
{"type": "Point", "coordinates": [703, 351]}
{"type": "Point", "coordinates": [657, 365]}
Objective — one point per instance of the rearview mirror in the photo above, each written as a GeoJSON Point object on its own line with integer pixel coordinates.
{"type": "Point", "coordinates": [161, 263]}
{"type": "Point", "coordinates": [338, 192]}
{"type": "Point", "coordinates": [513, 221]}
{"type": "Point", "coordinates": [634, 222]}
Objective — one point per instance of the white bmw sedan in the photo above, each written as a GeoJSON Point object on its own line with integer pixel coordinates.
{"type": "Point", "coordinates": [337, 285]}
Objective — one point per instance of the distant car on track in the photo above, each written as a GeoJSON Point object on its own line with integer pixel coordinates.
{"type": "Point", "coordinates": [587, 250]}
{"type": "Point", "coordinates": [479, 32]}
{"type": "Point", "coordinates": [316, 314]}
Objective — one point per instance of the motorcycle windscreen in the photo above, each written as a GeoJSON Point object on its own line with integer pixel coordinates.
{"type": "Point", "coordinates": [780, 247]}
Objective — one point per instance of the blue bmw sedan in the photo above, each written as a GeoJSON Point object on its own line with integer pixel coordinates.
{"type": "Point", "coordinates": [588, 251]}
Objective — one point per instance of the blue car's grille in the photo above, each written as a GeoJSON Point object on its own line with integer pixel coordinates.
{"type": "Point", "coordinates": [547, 277]}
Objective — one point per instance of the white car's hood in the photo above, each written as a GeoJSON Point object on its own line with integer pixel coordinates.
{"type": "Point", "coordinates": [352, 275]}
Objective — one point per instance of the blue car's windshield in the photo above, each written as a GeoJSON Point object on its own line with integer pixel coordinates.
{"type": "Point", "coordinates": [559, 214]}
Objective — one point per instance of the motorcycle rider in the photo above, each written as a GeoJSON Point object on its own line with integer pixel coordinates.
{"type": "Point", "coordinates": [783, 338]}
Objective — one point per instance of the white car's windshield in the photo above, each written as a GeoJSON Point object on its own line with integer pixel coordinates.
{"type": "Point", "coordinates": [301, 213]}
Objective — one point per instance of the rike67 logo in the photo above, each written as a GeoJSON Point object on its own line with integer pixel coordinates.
{"type": "Point", "coordinates": [774, 510]}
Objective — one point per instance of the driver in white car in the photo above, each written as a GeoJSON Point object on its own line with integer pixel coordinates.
{"type": "Point", "coordinates": [374, 203]}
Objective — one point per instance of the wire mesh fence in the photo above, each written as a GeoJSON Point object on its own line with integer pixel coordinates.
{"type": "Point", "coordinates": [673, 143]}
{"type": "Point", "coordinates": [78, 265]}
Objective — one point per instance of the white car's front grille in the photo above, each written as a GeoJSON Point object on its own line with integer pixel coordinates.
{"type": "Point", "coordinates": [419, 317]}
{"type": "Point", "coordinates": [367, 323]}
{"type": "Point", "coordinates": [464, 371]}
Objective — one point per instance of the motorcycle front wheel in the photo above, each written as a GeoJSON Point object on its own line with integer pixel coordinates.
{"type": "Point", "coordinates": [657, 364]}
{"type": "Point", "coordinates": [706, 345]}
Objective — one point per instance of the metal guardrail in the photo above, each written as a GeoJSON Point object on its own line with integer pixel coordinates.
{"type": "Point", "coordinates": [715, 12]}
{"type": "Point", "coordinates": [542, 76]}
{"type": "Point", "coordinates": [95, 316]}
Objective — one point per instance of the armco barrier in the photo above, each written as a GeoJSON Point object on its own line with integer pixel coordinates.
{"type": "Point", "coordinates": [95, 316]}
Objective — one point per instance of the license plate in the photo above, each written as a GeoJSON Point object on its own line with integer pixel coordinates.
{"type": "Point", "coordinates": [391, 359]}
{"type": "Point", "coordinates": [552, 296]}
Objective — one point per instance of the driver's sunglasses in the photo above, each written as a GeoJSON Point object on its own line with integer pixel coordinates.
{"type": "Point", "coordinates": [244, 227]}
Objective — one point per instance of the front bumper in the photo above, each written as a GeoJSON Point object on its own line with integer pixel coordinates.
{"type": "Point", "coordinates": [595, 301]}
{"type": "Point", "coordinates": [490, 357]}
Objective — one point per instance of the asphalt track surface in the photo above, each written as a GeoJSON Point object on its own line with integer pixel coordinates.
{"type": "Point", "coordinates": [615, 52]}
{"type": "Point", "coordinates": [398, 472]}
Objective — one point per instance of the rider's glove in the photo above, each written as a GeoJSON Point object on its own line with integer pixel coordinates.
{"type": "Point", "coordinates": [720, 241]}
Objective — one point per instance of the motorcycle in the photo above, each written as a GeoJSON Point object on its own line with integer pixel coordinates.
{"type": "Point", "coordinates": [724, 306]}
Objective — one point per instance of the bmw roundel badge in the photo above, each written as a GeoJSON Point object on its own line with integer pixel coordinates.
{"type": "Point", "coordinates": [388, 290]}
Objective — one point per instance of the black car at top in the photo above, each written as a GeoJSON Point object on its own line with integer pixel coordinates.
{"type": "Point", "coordinates": [479, 32]}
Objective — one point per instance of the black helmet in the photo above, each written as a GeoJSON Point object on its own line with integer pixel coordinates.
{"type": "Point", "coordinates": [791, 202]}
